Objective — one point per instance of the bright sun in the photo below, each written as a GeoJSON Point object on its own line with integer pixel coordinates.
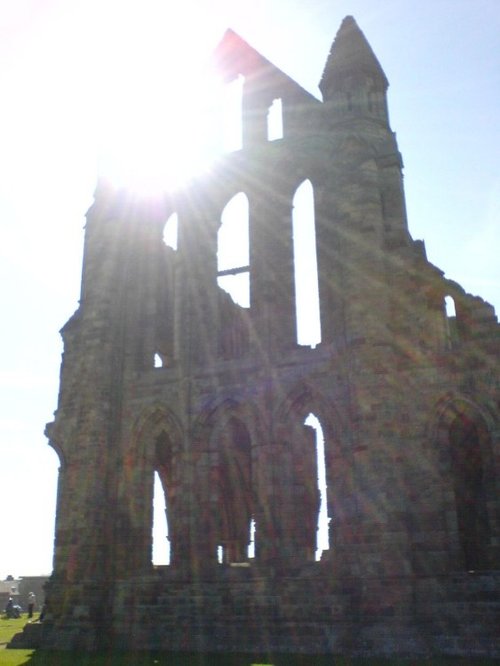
{"type": "Point", "coordinates": [157, 143]}
{"type": "Point", "coordinates": [144, 89]}
{"type": "Point", "coordinates": [161, 131]}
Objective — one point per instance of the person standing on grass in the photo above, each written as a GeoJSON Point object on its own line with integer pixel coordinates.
{"type": "Point", "coordinates": [31, 604]}
{"type": "Point", "coordinates": [9, 608]}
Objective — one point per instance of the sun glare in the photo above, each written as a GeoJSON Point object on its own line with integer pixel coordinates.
{"type": "Point", "coordinates": [154, 108]}
{"type": "Point", "coordinates": [151, 94]}
{"type": "Point", "coordinates": [163, 136]}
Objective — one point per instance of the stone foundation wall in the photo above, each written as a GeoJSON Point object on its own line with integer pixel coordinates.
{"type": "Point", "coordinates": [240, 610]}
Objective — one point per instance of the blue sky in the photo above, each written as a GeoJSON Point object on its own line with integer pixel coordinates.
{"type": "Point", "coordinates": [78, 76]}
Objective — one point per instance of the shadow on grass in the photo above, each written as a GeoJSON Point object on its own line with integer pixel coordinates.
{"type": "Point", "coordinates": [50, 658]}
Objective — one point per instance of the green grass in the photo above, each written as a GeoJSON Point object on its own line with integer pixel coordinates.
{"type": "Point", "coordinates": [42, 658]}
{"type": "Point", "coordinates": [9, 627]}
{"type": "Point", "coordinates": [50, 658]}
{"type": "Point", "coordinates": [27, 658]}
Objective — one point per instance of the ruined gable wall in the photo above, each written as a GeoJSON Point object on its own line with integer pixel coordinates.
{"type": "Point", "coordinates": [395, 383]}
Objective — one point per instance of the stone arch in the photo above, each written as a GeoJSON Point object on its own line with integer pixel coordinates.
{"type": "Point", "coordinates": [218, 193]}
{"type": "Point", "coordinates": [297, 448]}
{"type": "Point", "coordinates": [303, 398]}
{"type": "Point", "coordinates": [463, 435]}
{"type": "Point", "coordinates": [157, 447]}
{"type": "Point", "coordinates": [298, 172]}
{"type": "Point", "coordinates": [225, 440]}
{"type": "Point", "coordinates": [152, 422]}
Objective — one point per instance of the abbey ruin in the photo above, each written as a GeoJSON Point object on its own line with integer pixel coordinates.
{"type": "Point", "coordinates": [165, 372]}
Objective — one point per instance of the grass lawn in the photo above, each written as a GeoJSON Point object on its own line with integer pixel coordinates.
{"type": "Point", "coordinates": [49, 658]}
{"type": "Point", "coordinates": [7, 629]}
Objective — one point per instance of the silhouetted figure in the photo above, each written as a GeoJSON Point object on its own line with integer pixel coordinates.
{"type": "Point", "coordinates": [31, 604]}
{"type": "Point", "coordinates": [12, 610]}
{"type": "Point", "coordinates": [9, 607]}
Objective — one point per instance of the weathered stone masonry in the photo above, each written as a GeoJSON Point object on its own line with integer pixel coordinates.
{"type": "Point", "coordinates": [406, 395]}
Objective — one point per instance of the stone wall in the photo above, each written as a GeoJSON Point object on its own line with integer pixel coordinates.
{"type": "Point", "coordinates": [405, 392]}
{"type": "Point", "coordinates": [308, 611]}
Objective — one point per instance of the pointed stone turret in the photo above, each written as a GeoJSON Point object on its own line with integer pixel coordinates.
{"type": "Point", "coordinates": [353, 79]}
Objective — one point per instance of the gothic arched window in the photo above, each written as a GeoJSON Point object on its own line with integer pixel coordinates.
{"type": "Point", "coordinates": [233, 253]}
{"type": "Point", "coordinates": [306, 267]}
{"type": "Point", "coordinates": [275, 120]}
{"type": "Point", "coordinates": [170, 231]}
{"type": "Point", "coordinates": [163, 499]}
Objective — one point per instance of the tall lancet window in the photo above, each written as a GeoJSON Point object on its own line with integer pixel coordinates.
{"type": "Point", "coordinates": [451, 328]}
{"type": "Point", "coordinates": [161, 542]}
{"type": "Point", "coordinates": [164, 493]}
{"type": "Point", "coordinates": [232, 116]}
{"type": "Point", "coordinates": [322, 534]}
{"type": "Point", "coordinates": [275, 120]}
{"type": "Point", "coordinates": [170, 231]}
{"type": "Point", "coordinates": [306, 267]}
{"type": "Point", "coordinates": [233, 255]}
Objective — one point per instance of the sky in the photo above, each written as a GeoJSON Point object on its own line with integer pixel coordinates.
{"type": "Point", "coordinates": [84, 83]}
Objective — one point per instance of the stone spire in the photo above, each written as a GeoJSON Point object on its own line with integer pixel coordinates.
{"type": "Point", "coordinates": [351, 63]}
